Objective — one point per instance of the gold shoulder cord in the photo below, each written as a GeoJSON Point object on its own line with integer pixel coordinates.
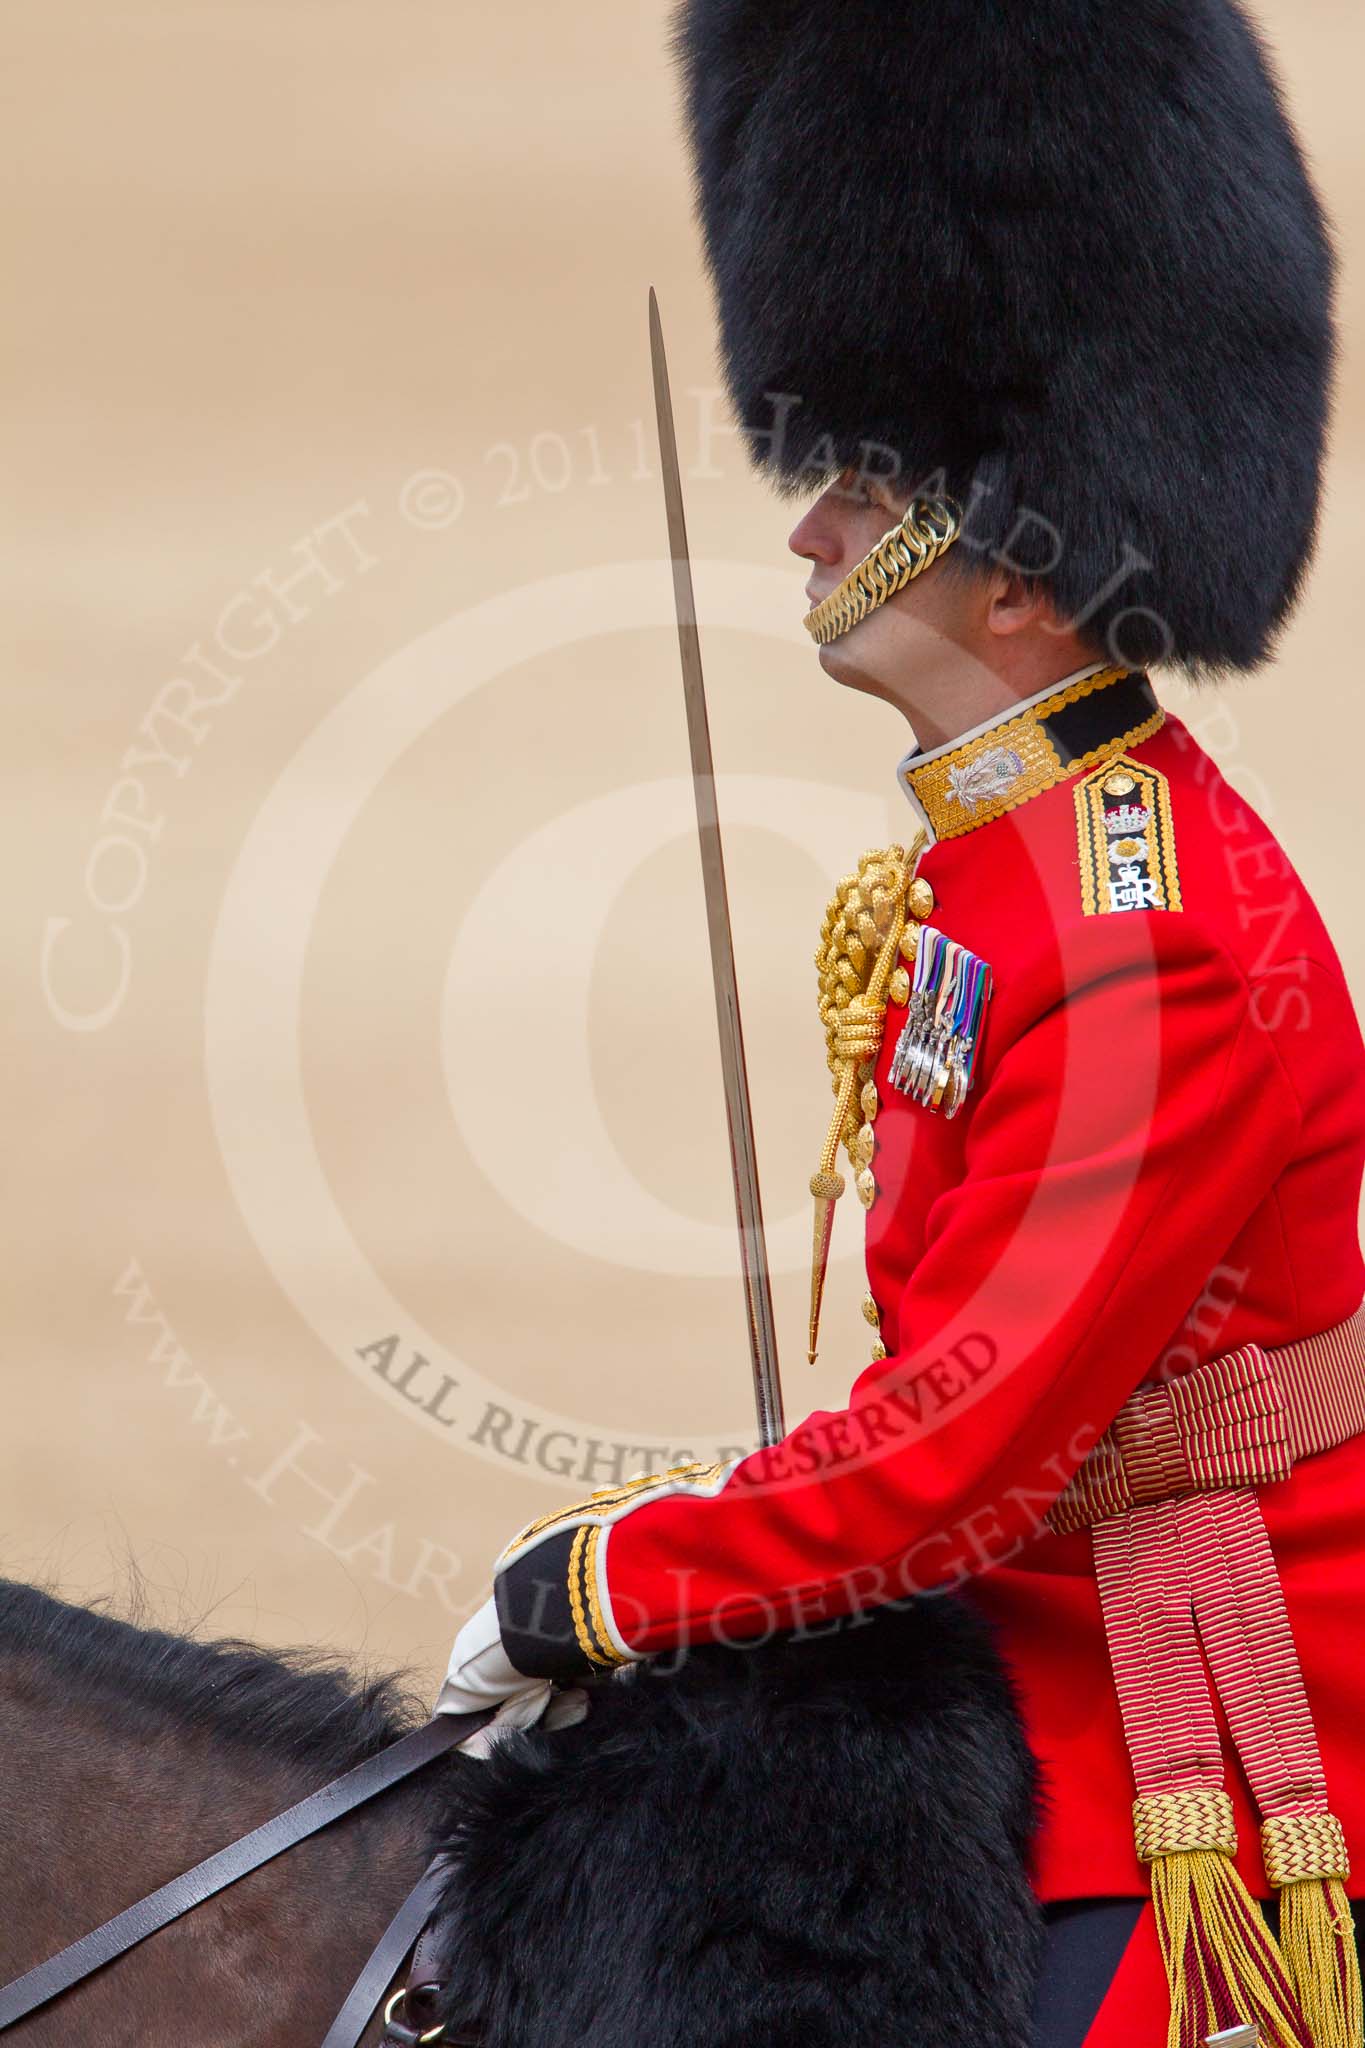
{"type": "Point", "coordinates": [864, 933]}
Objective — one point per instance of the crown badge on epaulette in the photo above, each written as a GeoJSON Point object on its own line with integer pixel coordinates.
{"type": "Point", "coordinates": [1126, 839]}
{"type": "Point", "coordinates": [1126, 818]}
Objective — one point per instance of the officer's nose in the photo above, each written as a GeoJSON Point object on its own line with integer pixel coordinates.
{"type": "Point", "coordinates": [819, 535]}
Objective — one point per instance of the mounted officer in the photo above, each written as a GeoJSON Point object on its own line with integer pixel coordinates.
{"type": "Point", "coordinates": [1032, 298]}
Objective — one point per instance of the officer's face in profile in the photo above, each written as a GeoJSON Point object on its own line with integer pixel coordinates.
{"type": "Point", "coordinates": [895, 641]}
{"type": "Point", "coordinates": [954, 646]}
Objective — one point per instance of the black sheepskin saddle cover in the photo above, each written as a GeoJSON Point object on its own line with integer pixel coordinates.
{"type": "Point", "coordinates": [820, 1841]}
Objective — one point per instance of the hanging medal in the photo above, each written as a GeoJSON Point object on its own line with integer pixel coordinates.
{"type": "Point", "coordinates": [935, 1057]}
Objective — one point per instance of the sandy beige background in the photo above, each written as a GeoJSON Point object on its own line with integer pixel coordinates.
{"type": "Point", "coordinates": [365, 1134]}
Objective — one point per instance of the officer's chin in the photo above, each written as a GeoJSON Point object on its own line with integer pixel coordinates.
{"type": "Point", "coordinates": [841, 665]}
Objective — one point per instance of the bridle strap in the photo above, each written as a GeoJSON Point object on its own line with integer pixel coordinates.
{"type": "Point", "coordinates": [429, 1972]}
{"type": "Point", "coordinates": [364, 1782]}
{"type": "Point", "coordinates": [383, 1965]}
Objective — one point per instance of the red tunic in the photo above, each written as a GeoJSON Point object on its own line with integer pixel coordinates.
{"type": "Point", "coordinates": [1160, 1160]}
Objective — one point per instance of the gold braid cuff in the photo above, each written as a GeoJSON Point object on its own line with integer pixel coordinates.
{"type": "Point", "coordinates": [589, 1626]}
{"type": "Point", "coordinates": [927, 530]}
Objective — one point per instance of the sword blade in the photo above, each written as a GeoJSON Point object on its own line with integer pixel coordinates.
{"type": "Point", "coordinates": [753, 1249]}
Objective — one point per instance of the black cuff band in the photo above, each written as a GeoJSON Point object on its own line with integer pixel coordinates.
{"type": "Point", "coordinates": [535, 1616]}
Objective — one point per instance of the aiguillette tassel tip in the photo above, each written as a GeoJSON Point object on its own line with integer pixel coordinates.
{"type": "Point", "coordinates": [826, 1186]}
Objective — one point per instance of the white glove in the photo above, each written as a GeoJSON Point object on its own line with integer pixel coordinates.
{"type": "Point", "coordinates": [481, 1674]}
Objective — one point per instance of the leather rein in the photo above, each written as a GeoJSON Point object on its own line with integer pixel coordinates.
{"type": "Point", "coordinates": [365, 1781]}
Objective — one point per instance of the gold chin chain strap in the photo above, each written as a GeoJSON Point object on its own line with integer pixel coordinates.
{"type": "Point", "coordinates": [927, 530]}
{"type": "Point", "coordinates": [868, 926]}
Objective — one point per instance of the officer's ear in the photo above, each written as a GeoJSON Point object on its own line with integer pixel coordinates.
{"type": "Point", "coordinates": [1014, 603]}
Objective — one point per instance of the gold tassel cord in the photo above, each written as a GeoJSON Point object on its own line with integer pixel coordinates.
{"type": "Point", "coordinates": [1306, 1860]}
{"type": "Point", "coordinates": [860, 942]}
{"type": "Point", "coordinates": [1317, 1937]}
{"type": "Point", "coordinates": [1222, 1964]}
{"type": "Point", "coordinates": [1221, 1960]}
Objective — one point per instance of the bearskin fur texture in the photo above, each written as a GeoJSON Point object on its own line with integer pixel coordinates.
{"type": "Point", "coordinates": [817, 1843]}
{"type": "Point", "coordinates": [1062, 257]}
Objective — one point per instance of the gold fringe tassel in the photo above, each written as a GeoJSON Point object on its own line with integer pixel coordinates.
{"type": "Point", "coordinates": [1318, 1937]}
{"type": "Point", "coordinates": [1305, 1858]}
{"type": "Point", "coordinates": [1222, 1964]}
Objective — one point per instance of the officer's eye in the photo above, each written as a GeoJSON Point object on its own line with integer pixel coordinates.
{"type": "Point", "coordinates": [857, 487]}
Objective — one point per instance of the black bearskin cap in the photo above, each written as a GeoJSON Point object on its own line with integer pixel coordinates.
{"type": "Point", "coordinates": [1059, 257]}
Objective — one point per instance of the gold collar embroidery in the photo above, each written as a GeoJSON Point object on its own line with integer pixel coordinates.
{"type": "Point", "coordinates": [1080, 724]}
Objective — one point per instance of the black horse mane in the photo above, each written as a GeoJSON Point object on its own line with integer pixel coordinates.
{"type": "Point", "coordinates": [302, 1706]}
{"type": "Point", "coordinates": [811, 1843]}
